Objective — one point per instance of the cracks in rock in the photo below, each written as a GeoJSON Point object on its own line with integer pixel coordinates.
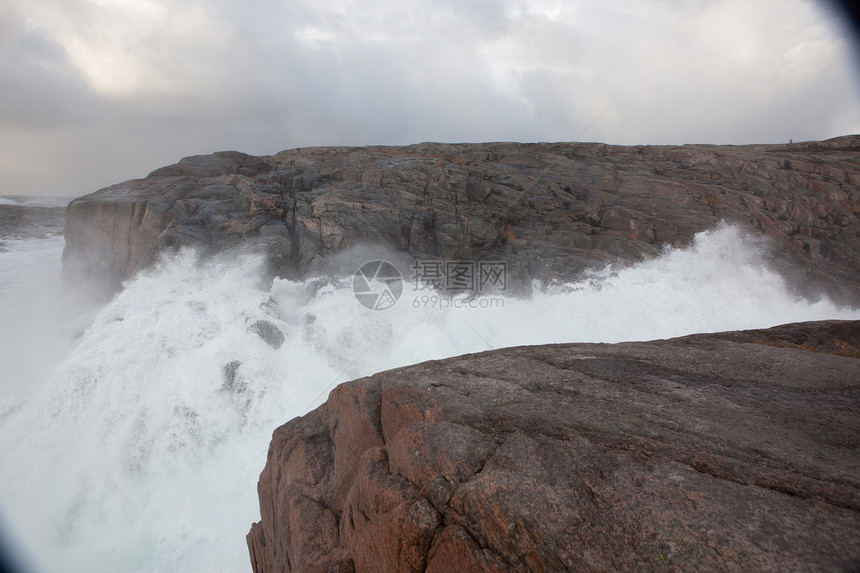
{"type": "Point", "coordinates": [480, 469]}
{"type": "Point", "coordinates": [337, 513]}
{"type": "Point", "coordinates": [446, 523]}
{"type": "Point", "coordinates": [431, 228]}
{"type": "Point", "coordinates": [482, 545]}
{"type": "Point", "coordinates": [444, 510]}
{"type": "Point", "coordinates": [377, 414]}
{"type": "Point", "coordinates": [405, 231]}
{"type": "Point", "coordinates": [290, 221]}
{"type": "Point", "coordinates": [755, 481]}
{"type": "Point", "coordinates": [440, 527]}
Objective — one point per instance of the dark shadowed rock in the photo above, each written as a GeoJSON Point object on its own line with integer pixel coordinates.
{"type": "Point", "coordinates": [270, 333]}
{"type": "Point", "coordinates": [721, 452]}
{"type": "Point", "coordinates": [229, 371]}
{"type": "Point", "coordinates": [550, 210]}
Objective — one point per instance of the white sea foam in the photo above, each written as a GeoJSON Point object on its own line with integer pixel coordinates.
{"type": "Point", "coordinates": [142, 451]}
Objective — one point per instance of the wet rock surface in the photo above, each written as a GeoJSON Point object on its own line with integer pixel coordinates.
{"type": "Point", "coordinates": [550, 210]}
{"type": "Point", "coordinates": [268, 332]}
{"type": "Point", "coordinates": [717, 452]}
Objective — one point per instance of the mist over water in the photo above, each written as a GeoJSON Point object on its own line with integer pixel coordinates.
{"type": "Point", "coordinates": [30, 299]}
{"type": "Point", "coordinates": [136, 442]}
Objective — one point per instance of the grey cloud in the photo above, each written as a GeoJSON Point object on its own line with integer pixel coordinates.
{"type": "Point", "coordinates": [379, 72]}
{"type": "Point", "coordinates": [40, 88]}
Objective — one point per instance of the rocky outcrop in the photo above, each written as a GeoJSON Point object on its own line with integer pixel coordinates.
{"type": "Point", "coordinates": [550, 210]}
{"type": "Point", "coordinates": [718, 452]}
{"type": "Point", "coordinates": [26, 221]}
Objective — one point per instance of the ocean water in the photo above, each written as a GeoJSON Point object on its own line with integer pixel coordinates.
{"type": "Point", "coordinates": [132, 432]}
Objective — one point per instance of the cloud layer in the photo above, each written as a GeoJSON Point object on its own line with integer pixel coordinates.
{"type": "Point", "coordinates": [98, 91]}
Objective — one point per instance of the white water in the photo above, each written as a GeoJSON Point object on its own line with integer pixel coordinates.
{"type": "Point", "coordinates": [136, 455]}
{"type": "Point", "coordinates": [37, 317]}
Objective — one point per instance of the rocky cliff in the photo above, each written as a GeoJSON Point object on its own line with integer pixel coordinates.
{"type": "Point", "coordinates": [549, 210]}
{"type": "Point", "coordinates": [720, 452]}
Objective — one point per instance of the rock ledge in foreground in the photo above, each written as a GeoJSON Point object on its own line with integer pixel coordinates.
{"type": "Point", "coordinates": [733, 452]}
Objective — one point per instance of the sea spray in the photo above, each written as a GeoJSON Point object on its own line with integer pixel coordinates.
{"type": "Point", "coordinates": [38, 317]}
{"type": "Point", "coordinates": [142, 451]}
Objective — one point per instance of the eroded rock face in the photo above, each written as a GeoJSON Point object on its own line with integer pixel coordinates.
{"type": "Point", "coordinates": [549, 210]}
{"type": "Point", "coordinates": [732, 451]}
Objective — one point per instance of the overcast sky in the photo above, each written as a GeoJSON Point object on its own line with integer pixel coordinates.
{"type": "Point", "coordinates": [93, 92]}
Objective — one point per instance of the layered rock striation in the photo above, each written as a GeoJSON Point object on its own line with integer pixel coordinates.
{"type": "Point", "coordinates": [718, 452]}
{"type": "Point", "coordinates": [550, 210]}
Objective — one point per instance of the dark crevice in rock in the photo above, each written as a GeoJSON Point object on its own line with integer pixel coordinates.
{"type": "Point", "coordinates": [806, 489]}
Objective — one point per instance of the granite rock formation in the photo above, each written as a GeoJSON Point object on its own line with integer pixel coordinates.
{"type": "Point", "coordinates": [718, 452]}
{"type": "Point", "coordinates": [550, 210]}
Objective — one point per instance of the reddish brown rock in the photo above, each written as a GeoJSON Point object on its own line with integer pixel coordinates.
{"type": "Point", "coordinates": [719, 452]}
{"type": "Point", "coordinates": [550, 210]}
